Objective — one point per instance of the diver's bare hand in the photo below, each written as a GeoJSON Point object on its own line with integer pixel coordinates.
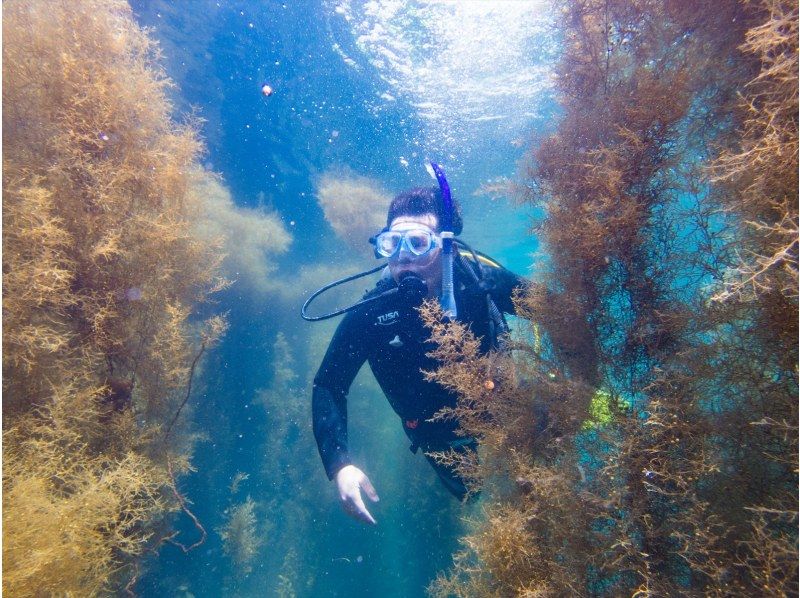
{"type": "Point", "coordinates": [349, 481]}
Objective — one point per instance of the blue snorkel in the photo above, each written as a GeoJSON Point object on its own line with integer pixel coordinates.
{"type": "Point", "coordinates": [447, 299]}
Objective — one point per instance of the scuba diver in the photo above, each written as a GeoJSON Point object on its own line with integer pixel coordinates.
{"type": "Point", "coordinates": [425, 261]}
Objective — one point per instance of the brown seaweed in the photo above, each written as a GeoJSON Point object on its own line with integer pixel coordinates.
{"type": "Point", "coordinates": [669, 192]}
{"type": "Point", "coordinates": [101, 269]}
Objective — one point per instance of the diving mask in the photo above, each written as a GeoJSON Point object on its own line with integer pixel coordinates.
{"type": "Point", "coordinates": [416, 241]}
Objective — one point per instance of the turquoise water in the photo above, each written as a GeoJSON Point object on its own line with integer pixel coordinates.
{"type": "Point", "coordinates": [360, 89]}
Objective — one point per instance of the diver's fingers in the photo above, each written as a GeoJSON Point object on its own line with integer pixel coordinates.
{"type": "Point", "coordinates": [349, 481]}
{"type": "Point", "coordinates": [360, 509]}
{"type": "Point", "coordinates": [369, 489]}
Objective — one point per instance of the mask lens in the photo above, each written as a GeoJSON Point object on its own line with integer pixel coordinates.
{"type": "Point", "coordinates": [419, 242]}
{"type": "Point", "coordinates": [388, 242]}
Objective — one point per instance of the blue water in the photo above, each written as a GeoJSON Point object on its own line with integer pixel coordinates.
{"type": "Point", "coordinates": [373, 89]}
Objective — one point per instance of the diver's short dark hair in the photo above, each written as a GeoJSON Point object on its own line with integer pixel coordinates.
{"type": "Point", "coordinates": [423, 200]}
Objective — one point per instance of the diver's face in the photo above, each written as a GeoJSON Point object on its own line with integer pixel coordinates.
{"type": "Point", "coordinates": [427, 266]}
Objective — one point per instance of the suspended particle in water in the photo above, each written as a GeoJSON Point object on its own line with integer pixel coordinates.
{"type": "Point", "coordinates": [359, 559]}
{"type": "Point", "coordinates": [133, 294]}
{"type": "Point", "coordinates": [266, 90]}
{"type": "Point", "coordinates": [403, 161]}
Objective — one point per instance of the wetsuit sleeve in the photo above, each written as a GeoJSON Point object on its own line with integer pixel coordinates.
{"type": "Point", "coordinates": [345, 356]}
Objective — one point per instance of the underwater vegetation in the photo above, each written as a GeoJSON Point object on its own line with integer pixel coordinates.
{"type": "Point", "coordinates": [354, 206]}
{"type": "Point", "coordinates": [251, 238]}
{"type": "Point", "coordinates": [529, 538]}
{"type": "Point", "coordinates": [102, 269]}
{"type": "Point", "coordinates": [668, 194]}
{"type": "Point", "coordinates": [289, 434]}
{"type": "Point", "coordinates": [240, 536]}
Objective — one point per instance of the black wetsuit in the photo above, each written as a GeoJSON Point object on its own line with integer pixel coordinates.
{"type": "Point", "coordinates": [389, 334]}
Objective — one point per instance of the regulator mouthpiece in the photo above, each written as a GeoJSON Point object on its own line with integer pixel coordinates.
{"type": "Point", "coordinates": [412, 290]}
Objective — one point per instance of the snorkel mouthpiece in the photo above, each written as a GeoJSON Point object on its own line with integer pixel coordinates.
{"type": "Point", "coordinates": [447, 298]}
